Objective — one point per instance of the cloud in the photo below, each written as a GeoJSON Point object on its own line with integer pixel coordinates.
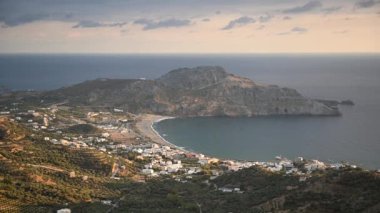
{"type": "Point", "coordinates": [151, 24]}
{"type": "Point", "coordinates": [244, 20]}
{"type": "Point", "coordinates": [94, 24]}
{"type": "Point", "coordinates": [311, 5]}
{"type": "Point", "coordinates": [286, 18]}
{"type": "Point", "coordinates": [18, 12]}
{"type": "Point", "coordinates": [283, 33]}
{"type": "Point", "coordinates": [13, 21]}
{"type": "Point", "coordinates": [299, 30]}
{"type": "Point", "coordinates": [261, 27]}
{"type": "Point", "coordinates": [366, 3]}
{"type": "Point", "coordinates": [21, 12]}
{"type": "Point", "coordinates": [265, 18]}
{"type": "Point", "coordinates": [331, 9]}
{"type": "Point", "coordinates": [206, 20]}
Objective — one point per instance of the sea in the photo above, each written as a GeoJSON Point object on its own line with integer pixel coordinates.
{"type": "Point", "coordinates": [353, 137]}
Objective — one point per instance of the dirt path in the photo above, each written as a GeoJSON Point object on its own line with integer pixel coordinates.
{"type": "Point", "coordinates": [48, 167]}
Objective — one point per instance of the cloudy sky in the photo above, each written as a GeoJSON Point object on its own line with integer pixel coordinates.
{"type": "Point", "coordinates": [189, 26]}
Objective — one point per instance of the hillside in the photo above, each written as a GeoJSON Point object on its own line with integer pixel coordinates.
{"type": "Point", "coordinates": [200, 91]}
{"type": "Point", "coordinates": [38, 176]}
{"type": "Point", "coordinates": [346, 190]}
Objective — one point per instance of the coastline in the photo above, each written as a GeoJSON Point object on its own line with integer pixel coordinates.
{"type": "Point", "coordinates": [145, 126]}
{"type": "Point", "coordinates": [146, 122]}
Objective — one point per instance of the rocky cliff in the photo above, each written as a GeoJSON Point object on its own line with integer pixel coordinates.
{"type": "Point", "coordinates": [200, 91]}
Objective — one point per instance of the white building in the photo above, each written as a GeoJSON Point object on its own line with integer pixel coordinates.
{"type": "Point", "coordinates": [106, 134]}
{"type": "Point", "coordinates": [118, 110]}
{"type": "Point", "coordinates": [314, 165]}
{"type": "Point", "coordinates": [106, 202]}
{"type": "Point", "coordinates": [148, 171]}
{"type": "Point", "coordinates": [64, 211]}
{"type": "Point", "coordinates": [224, 189]}
{"type": "Point", "coordinates": [148, 166]}
{"type": "Point", "coordinates": [65, 142]}
{"type": "Point", "coordinates": [54, 141]}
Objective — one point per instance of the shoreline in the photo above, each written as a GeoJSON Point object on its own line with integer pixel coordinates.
{"type": "Point", "coordinates": [145, 126]}
{"type": "Point", "coordinates": [162, 138]}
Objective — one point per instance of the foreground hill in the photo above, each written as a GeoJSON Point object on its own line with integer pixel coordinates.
{"type": "Point", "coordinates": [345, 190]}
{"type": "Point", "coordinates": [200, 91]}
{"type": "Point", "coordinates": [38, 176]}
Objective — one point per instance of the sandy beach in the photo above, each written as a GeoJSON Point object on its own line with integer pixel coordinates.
{"type": "Point", "coordinates": [145, 126]}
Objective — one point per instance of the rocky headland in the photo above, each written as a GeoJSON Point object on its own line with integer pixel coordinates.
{"type": "Point", "coordinates": [184, 92]}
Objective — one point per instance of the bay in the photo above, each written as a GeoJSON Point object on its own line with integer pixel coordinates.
{"type": "Point", "coordinates": [353, 137]}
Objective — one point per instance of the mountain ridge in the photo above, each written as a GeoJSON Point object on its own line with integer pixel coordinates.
{"type": "Point", "coordinates": [186, 92]}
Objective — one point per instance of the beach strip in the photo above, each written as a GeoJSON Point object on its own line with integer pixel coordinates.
{"type": "Point", "coordinates": [145, 126]}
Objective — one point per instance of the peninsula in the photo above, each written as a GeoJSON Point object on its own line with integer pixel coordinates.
{"type": "Point", "coordinates": [186, 92]}
{"type": "Point", "coordinates": [91, 147]}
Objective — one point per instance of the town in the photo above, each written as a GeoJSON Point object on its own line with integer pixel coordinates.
{"type": "Point", "coordinates": [119, 138]}
{"type": "Point", "coordinates": [129, 150]}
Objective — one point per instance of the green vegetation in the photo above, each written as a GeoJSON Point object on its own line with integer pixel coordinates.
{"type": "Point", "coordinates": [82, 129]}
{"type": "Point", "coordinates": [3, 133]}
{"type": "Point", "coordinates": [349, 190]}
{"type": "Point", "coordinates": [11, 131]}
{"type": "Point", "coordinates": [38, 176]}
{"type": "Point", "coordinates": [164, 196]}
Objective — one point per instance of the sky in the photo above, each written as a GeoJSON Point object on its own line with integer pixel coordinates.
{"type": "Point", "coordinates": [189, 26]}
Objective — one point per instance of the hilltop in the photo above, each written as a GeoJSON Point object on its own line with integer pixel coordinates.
{"type": "Point", "coordinates": [199, 91]}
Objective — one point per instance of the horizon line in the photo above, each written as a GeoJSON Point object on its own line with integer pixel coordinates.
{"type": "Point", "coordinates": [186, 53]}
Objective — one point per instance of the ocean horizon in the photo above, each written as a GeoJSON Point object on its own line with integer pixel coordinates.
{"type": "Point", "coordinates": [84, 84]}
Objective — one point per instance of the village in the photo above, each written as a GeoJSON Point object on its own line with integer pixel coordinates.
{"type": "Point", "coordinates": [154, 159]}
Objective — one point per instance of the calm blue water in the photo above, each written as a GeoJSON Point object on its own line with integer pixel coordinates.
{"type": "Point", "coordinates": [354, 137]}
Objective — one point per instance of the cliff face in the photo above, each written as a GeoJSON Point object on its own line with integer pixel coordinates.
{"type": "Point", "coordinates": [200, 91]}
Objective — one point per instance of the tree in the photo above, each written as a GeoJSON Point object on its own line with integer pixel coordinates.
{"type": "Point", "coordinates": [3, 133]}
